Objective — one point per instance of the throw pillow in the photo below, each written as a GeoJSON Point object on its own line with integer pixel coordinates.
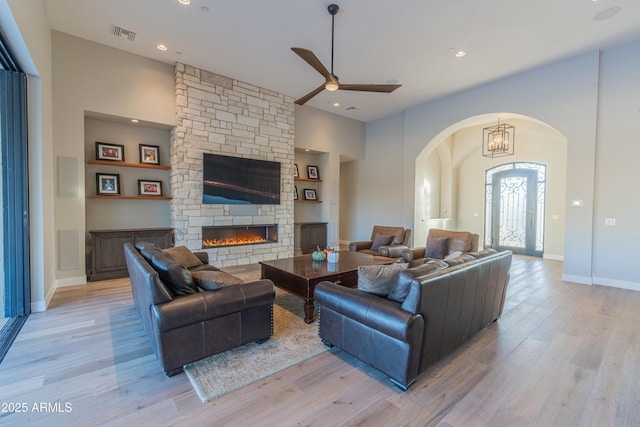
{"type": "Point", "coordinates": [183, 255]}
{"type": "Point", "coordinates": [379, 279]}
{"type": "Point", "coordinates": [402, 286]}
{"type": "Point", "coordinates": [381, 240]}
{"type": "Point", "coordinates": [213, 280]}
{"type": "Point", "coordinates": [436, 247]}
{"type": "Point", "coordinates": [174, 275]}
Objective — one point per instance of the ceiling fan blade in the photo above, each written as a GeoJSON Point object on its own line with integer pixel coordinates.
{"type": "Point", "coordinates": [311, 59]}
{"type": "Point", "coordinates": [369, 87]}
{"type": "Point", "coordinates": [310, 95]}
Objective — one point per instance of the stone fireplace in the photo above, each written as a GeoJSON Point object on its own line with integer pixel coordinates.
{"type": "Point", "coordinates": [219, 115]}
{"type": "Point", "coordinates": [239, 235]}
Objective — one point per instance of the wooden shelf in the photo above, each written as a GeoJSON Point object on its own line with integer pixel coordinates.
{"type": "Point", "coordinates": [308, 201]}
{"type": "Point", "coordinates": [128, 165]}
{"type": "Point", "coordinates": [307, 180]}
{"type": "Point", "coordinates": [95, 196]}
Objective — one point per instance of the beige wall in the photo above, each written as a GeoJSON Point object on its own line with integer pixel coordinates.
{"type": "Point", "coordinates": [94, 78]}
{"type": "Point", "coordinates": [26, 26]}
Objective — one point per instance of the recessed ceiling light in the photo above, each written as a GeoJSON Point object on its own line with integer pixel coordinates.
{"type": "Point", "coordinates": [134, 120]}
{"type": "Point", "coordinates": [161, 47]}
{"type": "Point", "coordinates": [460, 53]}
{"type": "Point", "coordinates": [336, 104]}
{"type": "Point", "coordinates": [184, 1]}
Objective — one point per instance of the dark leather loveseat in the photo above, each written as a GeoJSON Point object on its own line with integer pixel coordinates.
{"type": "Point", "coordinates": [191, 326]}
{"type": "Point", "coordinates": [443, 308]}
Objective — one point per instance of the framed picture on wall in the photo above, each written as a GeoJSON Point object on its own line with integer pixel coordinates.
{"type": "Point", "coordinates": [310, 194]}
{"type": "Point", "coordinates": [107, 184]}
{"type": "Point", "coordinates": [149, 188]}
{"type": "Point", "coordinates": [111, 152]}
{"type": "Point", "coordinates": [312, 172]}
{"type": "Point", "coordinates": [149, 154]}
{"type": "Point", "coordinates": [296, 174]}
{"type": "Point", "coordinates": [295, 192]}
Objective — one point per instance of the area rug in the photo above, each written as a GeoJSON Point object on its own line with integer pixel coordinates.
{"type": "Point", "coordinates": [292, 342]}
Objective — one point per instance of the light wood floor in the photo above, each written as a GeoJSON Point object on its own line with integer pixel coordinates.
{"type": "Point", "coordinates": [561, 355]}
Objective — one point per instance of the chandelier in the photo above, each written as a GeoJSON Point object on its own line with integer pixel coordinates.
{"type": "Point", "coordinates": [498, 140]}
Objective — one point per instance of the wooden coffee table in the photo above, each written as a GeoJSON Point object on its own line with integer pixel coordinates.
{"type": "Point", "coordinates": [300, 275]}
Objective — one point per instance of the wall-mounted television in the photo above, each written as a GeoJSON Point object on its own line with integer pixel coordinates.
{"type": "Point", "coordinates": [237, 180]}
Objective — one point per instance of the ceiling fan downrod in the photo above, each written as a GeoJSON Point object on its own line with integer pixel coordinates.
{"type": "Point", "coordinates": [333, 9]}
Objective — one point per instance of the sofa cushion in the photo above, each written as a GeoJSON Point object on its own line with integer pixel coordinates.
{"type": "Point", "coordinates": [381, 240]}
{"type": "Point", "coordinates": [213, 280]}
{"type": "Point", "coordinates": [174, 275]}
{"type": "Point", "coordinates": [379, 279]}
{"type": "Point", "coordinates": [403, 283]}
{"type": "Point", "coordinates": [183, 255]}
{"type": "Point", "coordinates": [458, 240]}
{"type": "Point", "coordinates": [458, 258]}
{"type": "Point", "coordinates": [436, 247]}
{"type": "Point", "coordinates": [148, 250]}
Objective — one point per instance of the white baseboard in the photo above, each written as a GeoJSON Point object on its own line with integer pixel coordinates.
{"type": "Point", "coordinates": [582, 280]}
{"type": "Point", "coordinates": [603, 281]}
{"type": "Point", "coordinates": [553, 257]}
{"type": "Point", "coordinates": [38, 306]}
{"type": "Point", "coordinates": [71, 281]}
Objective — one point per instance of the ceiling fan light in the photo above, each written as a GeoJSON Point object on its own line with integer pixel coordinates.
{"type": "Point", "coordinates": [331, 86]}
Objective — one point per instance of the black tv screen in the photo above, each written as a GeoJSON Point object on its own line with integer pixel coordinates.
{"type": "Point", "coordinates": [236, 180]}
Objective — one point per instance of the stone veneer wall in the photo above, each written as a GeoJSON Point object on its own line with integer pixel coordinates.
{"type": "Point", "coordinates": [219, 115]}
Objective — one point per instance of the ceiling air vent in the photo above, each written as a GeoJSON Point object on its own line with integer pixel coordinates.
{"type": "Point", "coordinates": [121, 32]}
{"type": "Point", "coordinates": [352, 108]}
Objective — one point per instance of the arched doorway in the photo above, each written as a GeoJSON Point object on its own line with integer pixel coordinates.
{"type": "Point", "coordinates": [451, 167]}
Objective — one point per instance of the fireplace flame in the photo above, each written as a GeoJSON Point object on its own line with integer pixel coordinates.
{"type": "Point", "coordinates": [233, 241]}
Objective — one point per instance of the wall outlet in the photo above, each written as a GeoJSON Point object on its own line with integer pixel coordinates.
{"type": "Point", "coordinates": [609, 221]}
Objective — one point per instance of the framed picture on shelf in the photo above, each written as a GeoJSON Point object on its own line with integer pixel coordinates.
{"type": "Point", "coordinates": [295, 192]}
{"type": "Point", "coordinates": [149, 188]}
{"type": "Point", "coordinates": [107, 184]}
{"type": "Point", "coordinates": [149, 154]}
{"type": "Point", "coordinates": [295, 171]}
{"type": "Point", "coordinates": [310, 194]}
{"type": "Point", "coordinates": [111, 152]}
{"type": "Point", "coordinates": [312, 172]}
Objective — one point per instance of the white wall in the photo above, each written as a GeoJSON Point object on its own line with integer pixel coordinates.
{"type": "Point", "coordinates": [565, 96]}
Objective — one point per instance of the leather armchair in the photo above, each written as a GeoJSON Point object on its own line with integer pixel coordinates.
{"type": "Point", "coordinates": [401, 241]}
{"type": "Point", "coordinates": [463, 241]}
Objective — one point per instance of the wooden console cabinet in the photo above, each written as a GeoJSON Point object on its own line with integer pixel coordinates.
{"type": "Point", "coordinates": [308, 236]}
{"type": "Point", "coordinates": [107, 259]}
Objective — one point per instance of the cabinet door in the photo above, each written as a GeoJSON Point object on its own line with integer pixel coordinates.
{"type": "Point", "coordinates": [108, 253]}
{"type": "Point", "coordinates": [313, 236]}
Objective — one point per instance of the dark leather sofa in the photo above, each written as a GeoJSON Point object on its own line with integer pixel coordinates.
{"type": "Point", "coordinates": [189, 327]}
{"type": "Point", "coordinates": [444, 307]}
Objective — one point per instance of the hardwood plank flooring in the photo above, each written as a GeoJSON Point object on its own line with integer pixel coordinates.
{"type": "Point", "coordinates": [561, 355]}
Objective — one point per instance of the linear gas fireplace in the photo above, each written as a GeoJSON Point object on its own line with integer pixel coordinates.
{"type": "Point", "coordinates": [237, 235]}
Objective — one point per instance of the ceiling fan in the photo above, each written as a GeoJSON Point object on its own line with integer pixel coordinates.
{"type": "Point", "coordinates": [332, 82]}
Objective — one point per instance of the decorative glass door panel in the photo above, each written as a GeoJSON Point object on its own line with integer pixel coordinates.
{"type": "Point", "coordinates": [515, 209]}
